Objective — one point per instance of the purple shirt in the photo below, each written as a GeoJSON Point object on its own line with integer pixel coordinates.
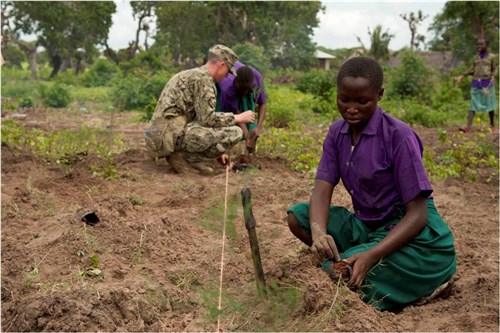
{"type": "Point", "coordinates": [382, 173]}
{"type": "Point", "coordinates": [229, 96]}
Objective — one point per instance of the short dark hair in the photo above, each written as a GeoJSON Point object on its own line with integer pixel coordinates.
{"type": "Point", "coordinates": [244, 76]}
{"type": "Point", "coordinates": [364, 67]}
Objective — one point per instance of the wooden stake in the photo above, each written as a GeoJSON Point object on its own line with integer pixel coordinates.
{"type": "Point", "coordinates": [254, 243]}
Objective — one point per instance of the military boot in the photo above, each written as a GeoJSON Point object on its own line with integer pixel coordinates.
{"type": "Point", "coordinates": [179, 163]}
{"type": "Point", "coordinates": [203, 168]}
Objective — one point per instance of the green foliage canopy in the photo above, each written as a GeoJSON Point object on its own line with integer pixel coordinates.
{"type": "Point", "coordinates": [64, 28]}
{"type": "Point", "coordinates": [461, 23]}
{"type": "Point", "coordinates": [379, 48]}
{"type": "Point", "coordinates": [282, 28]}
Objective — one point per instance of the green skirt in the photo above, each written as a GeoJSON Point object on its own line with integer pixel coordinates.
{"type": "Point", "coordinates": [483, 100]}
{"type": "Point", "coordinates": [404, 276]}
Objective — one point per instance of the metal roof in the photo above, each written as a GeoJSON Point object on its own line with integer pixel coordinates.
{"type": "Point", "coordinates": [323, 55]}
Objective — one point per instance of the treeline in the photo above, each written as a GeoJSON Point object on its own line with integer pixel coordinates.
{"type": "Point", "coordinates": [267, 34]}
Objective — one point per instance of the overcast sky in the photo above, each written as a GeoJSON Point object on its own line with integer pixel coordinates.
{"type": "Point", "coordinates": [339, 24]}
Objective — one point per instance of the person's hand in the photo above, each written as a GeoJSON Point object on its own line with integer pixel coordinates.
{"type": "Point", "coordinates": [245, 117]}
{"type": "Point", "coordinates": [361, 264]}
{"type": "Point", "coordinates": [223, 160]}
{"type": "Point", "coordinates": [256, 131]}
{"type": "Point", "coordinates": [492, 81]}
{"type": "Point", "coordinates": [252, 140]}
{"type": "Point", "coordinates": [323, 246]}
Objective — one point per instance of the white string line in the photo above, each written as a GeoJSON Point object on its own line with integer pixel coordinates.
{"type": "Point", "coordinates": [222, 254]}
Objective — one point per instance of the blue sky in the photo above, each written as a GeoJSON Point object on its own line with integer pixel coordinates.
{"type": "Point", "coordinates": [339, 24]}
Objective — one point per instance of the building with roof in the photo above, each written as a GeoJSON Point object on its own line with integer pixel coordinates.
{"type": "Point", "coordinates": [323, 59]}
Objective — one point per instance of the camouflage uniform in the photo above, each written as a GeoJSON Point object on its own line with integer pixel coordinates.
{"type": "Point", "coordinates": [185, 119]}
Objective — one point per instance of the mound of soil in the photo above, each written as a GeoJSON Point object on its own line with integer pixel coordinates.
{"type": "Point", "coordinates": [152, 262]}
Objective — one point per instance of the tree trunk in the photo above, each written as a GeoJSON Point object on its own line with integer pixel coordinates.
{"type": "Point", "coordinates": [56, 64]}
{"type": "Point", "coordinates": [32, 62]}
{"type": "Point", "coordinates": [66, 63]}
{"type": "Point", "coordinates": [479, 28]}
{"type": "Point", "coordinates": [30, 51]}
{"type": "Point", "coordinates": [111, 54]}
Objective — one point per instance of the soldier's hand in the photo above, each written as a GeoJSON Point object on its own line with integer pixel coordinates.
{"type": "Point", "coordinates": [223, 159]}
{"type": "Point", "coordinates": [245, 117]}
{"type": "Point", "coordinates": [323, 246]}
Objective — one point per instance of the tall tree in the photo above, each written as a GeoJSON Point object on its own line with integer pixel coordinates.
{"type": "Point", "coordinates": [461, 23]}
{"type": "Point", "coordinates": [282, 28]}
{"type": "Point", "coordinates": [413, 22]}
{"type": "Point", "coordinates": [142, 10]}
{"type": "Point", "coordinates": [379, 48]}
{"type": "Point", "coordinates": [65, 29]}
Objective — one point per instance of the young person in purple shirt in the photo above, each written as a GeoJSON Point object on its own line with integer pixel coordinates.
{"type": "Point", "coordinates": [396, 243]}
{"type": "Point", "coordinates": [241, 93]}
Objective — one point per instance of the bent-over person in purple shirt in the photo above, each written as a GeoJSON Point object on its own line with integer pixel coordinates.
{"type": "Point", "coordinates": [396, 245]}
{"type": "Point", "coordinates": [245, 92]}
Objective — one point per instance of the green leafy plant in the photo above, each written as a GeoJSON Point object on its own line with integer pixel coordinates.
{"type": "Point", "coordinates": [95, 261]}
{"type": "Point", "coordinates": [57, 95]}
{"type": "Point", "coordinates": [463, 157]}
{"type": "Point", "coordinates": [317, 82]}
{"type": "Point", "coordinates": [26, 102]}
{"type": "Point", "coordinates": [298, 144]}
{"type": "Point", "coordinates": [100, 73]}
{"type": "Point", "coordinates": [284, 103]}
{"type": "Point", "coordinates": [137, 91]}
{"type": "Point", "coordinates": [412, 78]}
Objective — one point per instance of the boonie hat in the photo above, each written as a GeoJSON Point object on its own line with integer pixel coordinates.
{"type": "Point", "coordinates": [226, 54]}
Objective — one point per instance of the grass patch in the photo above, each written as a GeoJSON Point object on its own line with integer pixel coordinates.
{"type": "Point", "coordinates": [248, 312]}
{"type": "Point", "coordinates": [91, 94]}
{"type": "Point", "coordinates": [213, 218]}
{"type": "Point", "coordinates": [62, 145]}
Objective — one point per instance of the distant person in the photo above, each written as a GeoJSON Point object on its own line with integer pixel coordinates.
{"type": "Point", "coordinates": [242, 93]}
{"type": "Point", "coordinates": [482, 91]}
{"type": "Point", "coordinates": [396, 243]}
{"type": "Point", "coordinates": [185, 129]}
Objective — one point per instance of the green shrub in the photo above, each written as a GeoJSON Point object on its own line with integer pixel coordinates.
{"type": "Point", "coordinates": [13, 56]}
{"type": "Point", "coordinates": [299, 144]}
{"type": "Point", "coordinates": [67, 77]}
{"type": "Point", "coordinates": [26, 102]}
{"type": "Point", "coordinates": [136, 92]}
{"type": "Point", "coordinates": [282, 105]}
{"type": "Point", "coordinates": [149, 109]}
{"type": "Point", "coordinates": [317, 82]}
{"type": "Point", "coordinates": [100, 73]}
{"type": "Point", "coordinates": [91, 94]}
{"type": "Point", "coordinates": [284, 75]}
{"type": "Point", "coordinates": [146, 61]}
{"type": "Point", "coordinates": [56, 96]}
{"type": "Point", "coordinates": [411, 79]}
{"type": "Point", "coordinates": [414, 113]}
{"type": "Point", "coordinates": [252, 55]}
{"type": "Point", "coordinates": [446, 95]}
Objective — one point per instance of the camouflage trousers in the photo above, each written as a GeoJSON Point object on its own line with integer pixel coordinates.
{"type": "Point", "coordinates": [206, 143]}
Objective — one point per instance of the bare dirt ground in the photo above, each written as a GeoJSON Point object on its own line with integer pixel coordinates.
{"type": "Point", "coordinates": [157, 248]}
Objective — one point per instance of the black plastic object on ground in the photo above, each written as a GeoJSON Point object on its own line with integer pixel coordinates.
{"type": "Point", "coordinates": [89, 217]}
